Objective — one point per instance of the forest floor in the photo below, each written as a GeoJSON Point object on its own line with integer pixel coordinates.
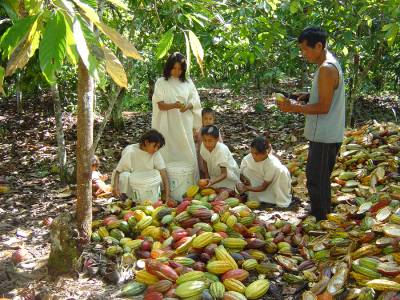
{"type": "Point", "coordinates": [28, 152]}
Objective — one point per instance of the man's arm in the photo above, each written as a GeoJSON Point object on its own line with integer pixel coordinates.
{"type": "Point", "coordinates": [165, 182]}
{"type": "Point", "coordinates": [327, 83]}
{"type": "Point", "coordinates": [224, 174]}
{"type": "Point", "coordinates": [115, 188]}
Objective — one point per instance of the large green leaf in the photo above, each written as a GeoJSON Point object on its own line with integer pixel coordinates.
{"type": "Point", "coordinates": [84, 39]}
{"type": "Point", "coordinates": [187, 43]}
{"type": "Point", "coordinates": [127, 48]}
{"type": "Point", "coordinates": [53, 47]}
{"type": "Point", "coordinates": [165, 44]}
{"type": "Point", "coordinates": [81, 44]}
{"type": "Point", "coordinates": [114, 68]}
{"type": "Point", "coordinates": [12, 37]}
{"type": "Point", "coordinates": [72, 53]}
{"type": "Point", "coordinates": [197, 49]}
{"type": "Point", "coordinates": [25, 48]}
{"type": "Point", "coordinates": [391, 33]}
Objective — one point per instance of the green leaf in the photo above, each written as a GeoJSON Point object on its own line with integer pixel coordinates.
{"type": "Point", "coordinates": [122, 43]}
{"type": "Point", "coordinates": [294, 6]}
{"type": "Point", "coordinates": [387, 27]}
{"type": "Point", "coordinates": [127, 48]}
{"type": "Point", "coordinates": [53, 47]}
{"type": "Point", "coordinates": [114, 68]}
{"type": "Point", "coordinates": [11, 11]}
{"type": "Point", "coordinates": [197, 50]}
{"type": "Point", "coordinates": [119, 3]}
{"type": "Point", "coordinates": [14, 34]}
{"type": "Point", "coordinates": [25, 48]}
{"type": "Point", "coordinates": [92, 3]}
{"type": "Point", "coordinates": [187, 43]}
{"type": "Point", "coordinates": [82, 45]}
{"type": "Point", "coordinates": [391, 34]}
{"type": "Point", "coordinates": [345, 51]}
{"type": "Point", "coordinates": [33, 6]}
{"type": "Point", "coordinates": [165, 44]}
{"type": "Point", "coordinates": [72, 53]}
{"type": "Point", "coordinates": [2, 71]}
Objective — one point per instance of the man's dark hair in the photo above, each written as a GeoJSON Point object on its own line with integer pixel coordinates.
{"type": "Point", "coordinates": [152, 136]}
{"type": "Point", "coordinates": [261, 144]}
{"type": "Point", "coordinates": [171, 61]}
{"type": "Point", "coordinates": [210, 130]}
{"type": "Point", "coordinates": [207, 111]}
{"type": "Point", "coordinates": [313, 35]}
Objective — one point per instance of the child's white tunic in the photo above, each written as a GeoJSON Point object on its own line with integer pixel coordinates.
{"type": "Point", "coordinates": [270, 170]}
{"type": "Point", "coordinates": [219, 157]}
{"type": "Point", "coordinates": [135, 159]}
{"type": "Point", "coordinates": [176, 127]}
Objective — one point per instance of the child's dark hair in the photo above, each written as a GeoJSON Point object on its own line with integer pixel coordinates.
{"type": "Point", "coordinates": [171, 61]}
{"type": "Point", "coordinates": [313, 35]}
{"type": "Point", "coordinates": [152, 136]}
{"type": "Point", "coordinates": [207, 111]}
{"type": "Point", "coordinates": [95, 161]}
{"type": "Point", "coordinates": [210, 130]}
{"type": "Point", "coordinates": [261, 144]}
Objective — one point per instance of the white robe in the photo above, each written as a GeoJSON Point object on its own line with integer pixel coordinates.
{"type": "Point", "coordinates": [219, 157]}
{"type": "Point", "coordinates": [135, 159]}
{"type": "Point", "coordinates": [271, 170]}
{"type": "Point", "coordinates": [176, 127]}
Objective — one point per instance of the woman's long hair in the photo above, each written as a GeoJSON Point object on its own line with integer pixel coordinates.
{"type": "Point", "coordinates": [171, 61]}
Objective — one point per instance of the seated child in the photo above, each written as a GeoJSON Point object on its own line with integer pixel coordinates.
{"type": "Point", "coordinates": [142, 156]}
{"type": "Point", "coordinates": [264, 176]}
{"type": "Point", "coordinates": [220, 167]}
{"type": "Point", "coordinates": [207, 118]}
{"type": "Point", "coordinates": [99, 187]}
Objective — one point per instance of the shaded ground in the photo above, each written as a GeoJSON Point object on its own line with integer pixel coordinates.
{"type": "Point", "coordinates": [28, 156]}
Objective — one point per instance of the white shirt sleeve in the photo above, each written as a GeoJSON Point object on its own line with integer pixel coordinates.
{"type": "Point", "coordinates": [194, 99]}
{"type": "Point", "coordinates": [159, 91]}
{"type": "Point", "coordinates": [243, 164]}
{"type": "Point", "coordinates": [222, 157]}
{"type": "Point", "coordinates": [269, 171]}
{"type": "Point", "coordinates": [159, 163]}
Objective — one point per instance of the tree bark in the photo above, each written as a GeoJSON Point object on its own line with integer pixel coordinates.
{"type": "Point", "coordinates": [117, 97]}
{"type": "Point", "coordinates": [18, 93]}
{"type": "Point", "coordinates": [61, 152]}
{"type": "Point", "coordinates": [116, 114]}
{"type": "Point", "coordinates": [359, 77]}
{"type": "Point", "coordinates": [83, 153]}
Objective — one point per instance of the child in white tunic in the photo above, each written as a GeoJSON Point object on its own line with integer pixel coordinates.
{"type": "Point", "coordinates": [220, 167]}
{"type": "Point", "coordinates": [142, 156]}
{"type": "Point", "coordinates": [177, 112]}
{"type": "Point", "coordinates": [264, 177]}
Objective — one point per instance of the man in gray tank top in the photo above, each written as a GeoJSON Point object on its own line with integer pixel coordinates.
{"type": "Point", "coordinates": [325, 117]}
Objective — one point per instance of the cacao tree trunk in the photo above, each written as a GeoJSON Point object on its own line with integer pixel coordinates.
{"type": "Point", "coordinates": [116, 115]}
{"type": "Point", "coordinates": [117, 97]}
{"type": "Point", "coordinates": [61, 152]}
{"type": "Point", "coordinates": [18, 93]}
{"type": "Point", "coordinates": [359, 77]}
{"type": "Point", "coordinates": [83, 153]}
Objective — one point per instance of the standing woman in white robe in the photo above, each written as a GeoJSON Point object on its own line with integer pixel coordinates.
{"type": "Point", "coordinates": [264, 177]}
{"type": "Point", "coordinates": [177, 112]}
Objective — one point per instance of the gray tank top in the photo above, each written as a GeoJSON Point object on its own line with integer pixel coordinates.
{"type": "Point", "coordinates": [327, 128]}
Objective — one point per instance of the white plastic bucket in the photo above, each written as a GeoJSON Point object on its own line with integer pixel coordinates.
{"type": "Point", "coordinates": [145, 186]}
{"type": "Point", "coordinates": [180, 176]}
